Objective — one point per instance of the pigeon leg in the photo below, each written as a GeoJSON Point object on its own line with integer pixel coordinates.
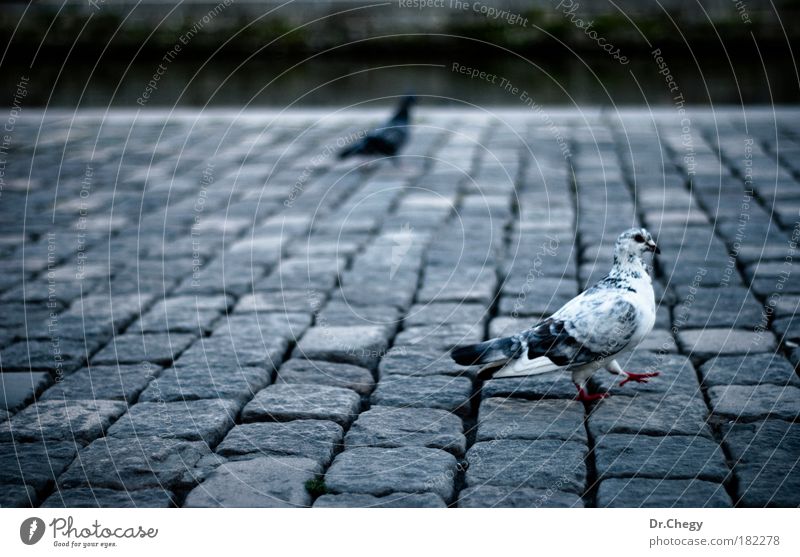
{"type": "Point", "coordinates": [614, 367]}
{"type": "Point", "coordinates": [583, 396]}
{"type": "Point", "coordinates": [637, 377]}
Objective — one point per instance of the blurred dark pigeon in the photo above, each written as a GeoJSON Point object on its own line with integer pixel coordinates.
{"type": "Point", "coordinates": [387, 140]}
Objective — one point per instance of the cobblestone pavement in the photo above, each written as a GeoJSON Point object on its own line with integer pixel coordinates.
{"type": "Point", "coordinates": [210, 310]}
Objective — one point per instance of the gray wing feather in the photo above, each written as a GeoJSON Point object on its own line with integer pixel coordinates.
{"type": "Point", "coordinates": [587, 329]}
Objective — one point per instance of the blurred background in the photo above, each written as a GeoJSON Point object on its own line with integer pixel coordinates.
{"type": "Point", "coordinates": [95, 53]}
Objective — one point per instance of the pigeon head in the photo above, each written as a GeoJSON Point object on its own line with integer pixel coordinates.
{"type": "Point", "coordinates": [632, 245]}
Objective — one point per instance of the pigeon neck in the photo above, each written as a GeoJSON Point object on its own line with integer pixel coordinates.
{"type": "Point", "coordinates": [628, 264]}
{"type": "Point", "coordinates": [402, 114]}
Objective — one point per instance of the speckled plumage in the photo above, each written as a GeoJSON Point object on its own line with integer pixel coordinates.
{"type": "Point", "coordinates": [590, 331]}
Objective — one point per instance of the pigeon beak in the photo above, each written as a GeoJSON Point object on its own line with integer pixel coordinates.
{"type": "Point", "coordinates": [651, 245]}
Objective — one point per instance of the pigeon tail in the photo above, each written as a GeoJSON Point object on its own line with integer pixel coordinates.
{"type": "Point", "coordinates": [495, 350]}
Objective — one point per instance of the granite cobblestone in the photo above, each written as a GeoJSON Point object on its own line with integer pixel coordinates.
{"type": "Point", "coordinates": [228, 351]}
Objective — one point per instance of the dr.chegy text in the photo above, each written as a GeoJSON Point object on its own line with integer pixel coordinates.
{"type": "Point", "coordinates": [675, 523]}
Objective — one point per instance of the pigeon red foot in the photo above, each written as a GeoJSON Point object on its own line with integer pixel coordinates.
{"type": "Point", "coordinates": [638, 377]}
{"type": "Point", "coordinates": [583, 396]}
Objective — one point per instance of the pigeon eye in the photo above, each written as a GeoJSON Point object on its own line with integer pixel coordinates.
{"type": "Point", "coordinates": [639, 238]}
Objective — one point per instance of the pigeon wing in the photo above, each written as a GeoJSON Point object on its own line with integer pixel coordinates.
{"type": "Point", "coordinates": [387, 141]}
{"type": "Point", "coordinates": [585, 330]}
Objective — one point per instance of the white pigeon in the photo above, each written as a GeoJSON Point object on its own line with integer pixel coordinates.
{"type": "Point", "coordinates": [590, 331]}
